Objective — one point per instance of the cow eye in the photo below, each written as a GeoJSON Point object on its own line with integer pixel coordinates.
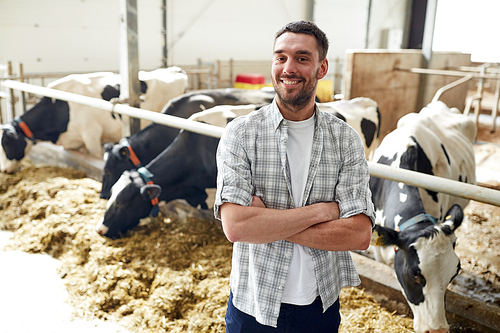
{"type": "Point", "coordinates": [419, 278]}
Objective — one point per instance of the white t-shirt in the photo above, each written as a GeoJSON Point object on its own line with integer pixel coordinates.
{"type": "Point", "coordinates": [300, 287]}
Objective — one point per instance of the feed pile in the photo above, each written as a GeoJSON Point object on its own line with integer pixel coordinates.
{"type": "Point", "coordinates": [169, 274]}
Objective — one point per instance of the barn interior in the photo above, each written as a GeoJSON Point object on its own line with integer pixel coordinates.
{"type": "Point", "coordinates": [171, 273]}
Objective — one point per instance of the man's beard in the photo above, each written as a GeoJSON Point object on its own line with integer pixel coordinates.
{"type": "Point", "coordinates": [301, 98]}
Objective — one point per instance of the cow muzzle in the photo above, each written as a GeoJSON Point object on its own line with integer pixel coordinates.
{"type": "Point", "coordinates": [101, 228]}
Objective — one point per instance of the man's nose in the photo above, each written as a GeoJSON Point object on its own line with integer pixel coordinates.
{"type": "Point", "coordinates": [290, 67]}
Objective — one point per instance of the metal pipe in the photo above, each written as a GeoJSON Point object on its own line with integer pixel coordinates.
{"type": "Point", "coordinates": [449, 86]}
{"type": "Point", "coordinates": [437, 184]}
{"type": "Point", "coordinates": [447, 72]}
{"type": "Point", "coordinates": [433, 183]}
{"type": "Point", "coordinates": [156, 117]}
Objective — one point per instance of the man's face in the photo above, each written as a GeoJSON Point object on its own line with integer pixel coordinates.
{"type": "Point", "coordinates": [296, 69]}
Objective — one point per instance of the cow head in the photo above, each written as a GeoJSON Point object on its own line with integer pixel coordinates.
{"type": "Point", "coordinates": [425, 263]}
{"type": "Point", "coordinates": [14, 146]}
{"type": "Point", "coordinates": [117, 160]}
{"type": "Point", "coordinates": [130, 201]}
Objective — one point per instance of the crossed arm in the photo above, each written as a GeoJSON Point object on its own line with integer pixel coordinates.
{"type": "Point", "coordinates": [317, 226]}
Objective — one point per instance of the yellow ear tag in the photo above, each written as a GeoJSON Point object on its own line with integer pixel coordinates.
{"type": "Point", "coordinates": [448, 217]}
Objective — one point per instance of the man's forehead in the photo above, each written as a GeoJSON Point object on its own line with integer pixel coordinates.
{"type": "Point", "coordinates": [295, 42]}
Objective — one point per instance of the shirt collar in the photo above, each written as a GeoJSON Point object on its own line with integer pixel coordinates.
{"type": "Point", "coordinates": [277, 117]}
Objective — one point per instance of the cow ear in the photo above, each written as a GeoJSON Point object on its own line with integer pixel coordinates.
{"type": "Point", "coordinates": [123, 153]}
{"type": "Point", "coordinates": [382, 236]}
{"type": "Point", "coordinates": [454, 217]}
{"type": "Point", "coordinates": [108, 146]}
{"type": "Point", "coordinates": [150, 192]}
{"type": "Point", "coordinates": [10, 131]}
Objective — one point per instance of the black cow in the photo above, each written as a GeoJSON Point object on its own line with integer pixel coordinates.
{"type": "Point", "coordinates": [414, 229]}
{"type": "Point", "coordinates": [152, 140]}
{"type": "Point", "coordinates": [187, 168]}
{"type": "Point", "coordinates": [182, 171]}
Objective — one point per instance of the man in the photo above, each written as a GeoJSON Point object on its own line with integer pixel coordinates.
{"type": "Point", "coordinates": [293, 196]}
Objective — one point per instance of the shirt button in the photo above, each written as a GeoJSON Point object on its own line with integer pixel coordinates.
{"type": "Point", "coordinates": [288, 255]}
{"type": "Point", "coordinates": [280, 287]}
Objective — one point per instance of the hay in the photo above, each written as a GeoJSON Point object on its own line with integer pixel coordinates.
{"type": "Point", "coordinates": [168, 274]}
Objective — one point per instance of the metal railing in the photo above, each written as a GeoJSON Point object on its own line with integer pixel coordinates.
{"type": "Point", "coordinates": [429, 182]}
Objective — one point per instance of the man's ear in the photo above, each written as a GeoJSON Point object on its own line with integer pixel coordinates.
{"type": "Point", "coordinates": [323, 69]}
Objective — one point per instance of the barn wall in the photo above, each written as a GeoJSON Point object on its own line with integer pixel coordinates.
{"type": "Point", "coordinates": [373, 74]}
{"type": "Point", "coordinates": [83, 35]}
{"type": "Point", "coordinates": [454, 97]}
{"type": "Point", "coordinates": [53, 36]}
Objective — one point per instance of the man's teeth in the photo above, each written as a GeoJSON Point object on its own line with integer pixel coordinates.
{"type": "Point", "coordinates": [290, 82]}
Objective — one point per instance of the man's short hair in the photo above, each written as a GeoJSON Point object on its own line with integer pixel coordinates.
{"type": "Point", "coordinates": [308, 28]}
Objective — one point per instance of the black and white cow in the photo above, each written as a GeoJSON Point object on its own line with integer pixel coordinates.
{"type": "Point", "coordinates": [140, 148]}
{"type": "Point", "coordinates": [185, 170]}
{"type": "Point", "coordinates": [74, 125]}
{"type": "Point", "coordinates": [363, 115]}
{"type": "Point", "coordinates": [414, 227]}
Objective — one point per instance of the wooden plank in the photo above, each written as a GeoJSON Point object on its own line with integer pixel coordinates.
{"type": "Point", "coordinates": [373, 74]}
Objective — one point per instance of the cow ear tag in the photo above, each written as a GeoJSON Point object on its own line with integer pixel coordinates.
{"type": "Point", "coordinates": [151, 192]}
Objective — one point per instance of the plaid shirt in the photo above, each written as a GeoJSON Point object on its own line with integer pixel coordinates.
{"type": "Point", "coordinates": [251, 160]}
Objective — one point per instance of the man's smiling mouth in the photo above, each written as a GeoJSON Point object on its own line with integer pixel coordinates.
{"type": "Point", "coordinates": [290, 82]}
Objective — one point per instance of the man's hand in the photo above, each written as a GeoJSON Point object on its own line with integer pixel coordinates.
{"type": "Point", "coordinates": [257, 202]}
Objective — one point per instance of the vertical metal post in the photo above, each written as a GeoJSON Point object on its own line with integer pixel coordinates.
{"type": "Point", "coordinates": [164, 33]}
{"type": "Point", "coordinates": [130, 89]}
{"type": "Point", "coordinates": [310, 10]}
{"type": "Point", "coordinates": [367, 37]}
{"type": "Point", "coordinates": [430, 19]}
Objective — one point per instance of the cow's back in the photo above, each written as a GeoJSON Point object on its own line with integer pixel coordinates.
{"type": "Point", "coordinates": [363, 115]}
{"type": "Point", "coordinates": [86, 122]}
{"type": "Point", "coordinates": [446, 138]}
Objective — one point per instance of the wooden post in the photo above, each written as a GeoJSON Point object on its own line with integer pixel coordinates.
{"type": "Point", "coordinates": [231, 74]}
{"type": "Point", "coordinates": [129, 63]}
{"type": "Point", "coordinates": [198, 78]}
{"type": "Point", "coordinates": [22, 100]}
{"type": "Point", "coordinates": [11, 100]}
{"type": "Point", "coordinates": [218, 74]}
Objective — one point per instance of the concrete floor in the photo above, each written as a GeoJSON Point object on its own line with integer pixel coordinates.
{"type": "Point", "coordinates": [32, 297]}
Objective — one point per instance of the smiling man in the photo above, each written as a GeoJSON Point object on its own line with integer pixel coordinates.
{"type": "Point", "coordinates": [293, 197]}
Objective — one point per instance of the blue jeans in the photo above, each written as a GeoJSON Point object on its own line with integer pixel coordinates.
{"type": "Point", "coordinates": [292, 319]}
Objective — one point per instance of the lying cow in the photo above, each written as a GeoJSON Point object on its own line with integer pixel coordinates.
{"type": "Point", "coordinates": [74, 125]}
{"type": "Point", "coordinates": [419, 223]}
{"type": "Point", "coordinates": [140, 148]}
{"type": "Point", "coordinates": [185, 170]}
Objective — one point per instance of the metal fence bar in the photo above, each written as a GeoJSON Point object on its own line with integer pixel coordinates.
{"type": "Point", "coordinates": [429, 182]}
{"type": "Point", "coordinates": [156, 117]}
{"type": "Point", "coordinates": [438, 184]}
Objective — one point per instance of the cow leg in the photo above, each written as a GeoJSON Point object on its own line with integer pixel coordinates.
{"type": "Point", "coordinates": [92, 142]}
